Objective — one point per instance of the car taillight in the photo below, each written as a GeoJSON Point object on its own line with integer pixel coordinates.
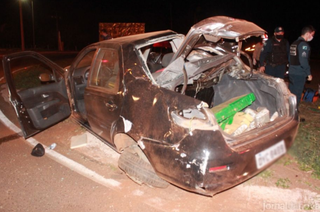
{"type": "Point", "coordinates": [218, 168]}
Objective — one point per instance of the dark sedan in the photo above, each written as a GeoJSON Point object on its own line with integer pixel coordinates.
{"type": "Point", "coordinates": [180, 109]}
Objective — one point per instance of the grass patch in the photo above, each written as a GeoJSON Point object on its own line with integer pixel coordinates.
{"type": "Point", "coordinates": [309, 207]}
{"type": "Point", "coordinates": [304, 167]}
{"type": "Point", "coordinates": [266, 174]}
{"type": "Point", "coordinates": [113, 168]}
{"type": "Point", "coordinates": [80, 129]}
{"type": "Point", "coordinates": [283, 183]}
{"type": "Point", "coordinates": [306, 147]}
{"type": "Point", "coordinates": [286, 161]}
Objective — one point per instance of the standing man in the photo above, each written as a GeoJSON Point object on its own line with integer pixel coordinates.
{"type": "Point", "coordinates": [299, 69]}
{"type": "Point", "coordinates": [275, 54]}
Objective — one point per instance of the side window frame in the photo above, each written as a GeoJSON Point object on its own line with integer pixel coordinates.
{"type": "Point", "coordinates": [80, 63]}
{"type": "Point", "coordinates": [103, 57]}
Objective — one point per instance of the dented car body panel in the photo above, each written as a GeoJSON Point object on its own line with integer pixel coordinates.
{"type": "Point", "coordinates": [161, 96]}
{"type": "Point", "coordinates": [217, 28]}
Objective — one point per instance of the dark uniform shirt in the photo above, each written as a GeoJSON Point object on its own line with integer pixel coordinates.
{"type": "Point", "coordinates": [303, 54]}
{"type": "Point", "coordinates": [275, 52]}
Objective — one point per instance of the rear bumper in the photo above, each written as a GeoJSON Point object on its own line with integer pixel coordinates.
{"type": "Point", "coordinates": [194, 169]}
{"type": "Point", "coordinates": [244, 165]}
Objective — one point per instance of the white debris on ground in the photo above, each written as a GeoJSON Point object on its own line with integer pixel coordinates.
{"type": "Point", "coordinates": [79, 141]}
{"type": "Point", "coordinates": [96, 149]}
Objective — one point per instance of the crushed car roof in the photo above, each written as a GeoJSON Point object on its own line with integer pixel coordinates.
{"type": "Point", "coordinates": [227, 27]}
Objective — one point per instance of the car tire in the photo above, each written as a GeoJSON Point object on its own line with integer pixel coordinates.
{"type": "Point", "coordinates": [139, 169]}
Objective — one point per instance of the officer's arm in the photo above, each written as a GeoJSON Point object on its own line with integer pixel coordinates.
{"type": "Point", "coordinates": [288, 50]}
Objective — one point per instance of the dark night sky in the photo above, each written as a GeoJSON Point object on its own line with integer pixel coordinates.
{"type": "Point", "coordinates": [78, 20]}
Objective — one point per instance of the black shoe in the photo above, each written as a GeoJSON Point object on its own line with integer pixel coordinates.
{"type": "Point", "coordinates": [302, 119]}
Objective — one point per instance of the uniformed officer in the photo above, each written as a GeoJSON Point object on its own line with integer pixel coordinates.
{"type": "Point", "coordinates": [299, 69]}
{"type": "Point", "coordinates": [275, 54]}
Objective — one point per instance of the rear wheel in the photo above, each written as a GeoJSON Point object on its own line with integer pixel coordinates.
{"type": "Point", "coordinates": [136, 165]}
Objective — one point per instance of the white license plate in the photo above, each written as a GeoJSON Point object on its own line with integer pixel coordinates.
{"type": "Point", "coordinates": [266, 156]}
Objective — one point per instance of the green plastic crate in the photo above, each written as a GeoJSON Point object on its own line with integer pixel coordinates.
{"type": "Point", "coordinates": [231, 107]}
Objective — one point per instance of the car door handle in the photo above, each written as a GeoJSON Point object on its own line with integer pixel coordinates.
{"type": "Point", "coordinates": [111, 106]}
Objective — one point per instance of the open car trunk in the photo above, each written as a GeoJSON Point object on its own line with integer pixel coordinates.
{"type": "Point", "coordinates": [271, 101]}
{"type": "Point", "coordinates": [208, 66]}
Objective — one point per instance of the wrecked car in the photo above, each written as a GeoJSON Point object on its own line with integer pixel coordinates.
{"type": "Point", "coordinates": [191, 113]}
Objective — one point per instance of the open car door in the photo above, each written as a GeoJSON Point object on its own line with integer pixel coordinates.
{"type": "Point", "coordinates": [37, 91]}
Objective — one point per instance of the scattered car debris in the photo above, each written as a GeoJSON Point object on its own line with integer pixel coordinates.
{"type": "Point", "coordinates": [247, 120]}
{"type": "Point", "coordinates": [52, 146]}
{"type": "Point", "coordinates": [78, 141]}
{"type": "Point", "coordinates": [38, 150]}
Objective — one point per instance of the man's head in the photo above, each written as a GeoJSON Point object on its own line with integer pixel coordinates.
{"type": "Point", "coordinates": [278, 33]}
{"type": "Point", "coordinates": [307, 33]}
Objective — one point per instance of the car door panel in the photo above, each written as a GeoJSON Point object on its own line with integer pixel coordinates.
{"type": "Point", "coordinates": [103, 111]}
{"type": "Point", "coordinates": [41, 105]}
{"type": "Point", "coordinates": [46, 104]}
{"type": "Point", "coordinates": [102, 98]}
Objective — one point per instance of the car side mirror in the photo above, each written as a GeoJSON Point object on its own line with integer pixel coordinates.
{"type": "Point", "coordinates": [45, 77]}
